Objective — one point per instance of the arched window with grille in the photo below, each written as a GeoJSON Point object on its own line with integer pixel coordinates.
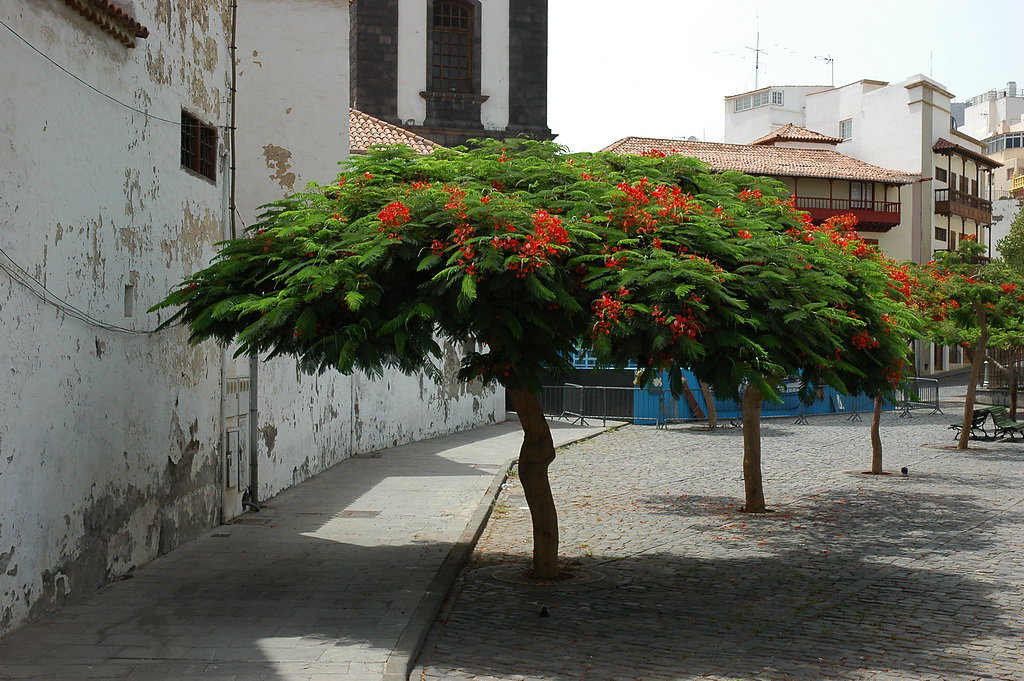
{"type": "Point", "coordinates": [452, 43]}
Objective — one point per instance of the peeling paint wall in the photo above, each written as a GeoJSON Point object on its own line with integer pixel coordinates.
{"type": "Point", "coordinates": [108, 441]}
{"type": "Point", "coordinates": [293, 128]}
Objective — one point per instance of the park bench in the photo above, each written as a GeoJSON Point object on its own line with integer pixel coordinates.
{"type": "Point", "coordinates": [978, 418]}
{"type": "Point", "coordinates": [1004, 423]}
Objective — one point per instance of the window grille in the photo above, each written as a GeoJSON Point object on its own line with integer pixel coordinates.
{"type": "Point", "coordinates": [452, 59]}
{"type": "Point", "coordinates": [198, 146]}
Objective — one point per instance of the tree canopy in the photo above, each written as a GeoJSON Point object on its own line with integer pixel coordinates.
{"type": "Point", "coordinates": [972, 302]}
{"type": "Point", "coordinates": [535, 253]}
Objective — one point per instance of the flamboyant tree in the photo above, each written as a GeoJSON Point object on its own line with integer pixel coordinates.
{"type": "Point", "coordinates": [1011, 249]}
{"type": "Point", "coordinates": [972, 302]}
{"type": "Point", "coordinates": [534, 254]}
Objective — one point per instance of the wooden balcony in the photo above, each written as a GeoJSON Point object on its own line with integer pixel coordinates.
{"type": "Point", "coordinates": [953, 202]}
{"type": "Point", "coordinates": [872, 216]}
{"type": "Point", "coordinates": [1017, 187]}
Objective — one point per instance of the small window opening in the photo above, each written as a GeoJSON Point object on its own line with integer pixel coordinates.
{"type": "Point", "coordinates": [129, 300]}
{"type": "Point", "coordinates": [198, 146]}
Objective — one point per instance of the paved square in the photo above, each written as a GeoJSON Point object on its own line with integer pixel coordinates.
{"type": "Point", "coordinates": [852, 577]}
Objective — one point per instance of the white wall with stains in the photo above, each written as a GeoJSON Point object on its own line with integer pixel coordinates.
{"type": "Point", "coordinates": [293, 128]}
{"type": "Point", "coordinates": [108, 441]}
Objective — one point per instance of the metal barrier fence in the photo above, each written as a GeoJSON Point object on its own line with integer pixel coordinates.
{"type": "Point", "coordinates": [581, 402]}
{"type": "Point", "coordinates": [922, 394]}
{"type": "Point", "coordinates": [658, 406]}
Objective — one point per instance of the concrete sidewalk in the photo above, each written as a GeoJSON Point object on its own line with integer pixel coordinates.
{"type": "Point", "coordinates": [338, 578]}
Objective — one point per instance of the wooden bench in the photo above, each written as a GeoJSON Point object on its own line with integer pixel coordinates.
{"type": "Point", "coordinates": [1004, 423]}
{"type": "Point", "coordinates": [978, 418]}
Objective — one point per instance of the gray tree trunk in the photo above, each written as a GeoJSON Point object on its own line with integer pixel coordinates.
{"type": "Point", "coordinates": [753, 491]}
{"type": "Point", "coordinates": [536, 454]}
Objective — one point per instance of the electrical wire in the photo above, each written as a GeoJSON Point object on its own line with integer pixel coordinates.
{"type": "Point", "coordinates": [39, 290]}
{"type": "Point", "coordinates": [92, 87]}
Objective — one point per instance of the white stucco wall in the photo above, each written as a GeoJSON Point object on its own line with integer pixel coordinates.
{"type": "Point", "coordinates": [743, 127]}
{"type": "Point", "coordinates": [412, 60]}
{"type": "Point", "coordinates": [494, 69]}
{"type": "Point", "coordinates": [108, 441]}
{"type": "Point", "coordinates": [293, 128]}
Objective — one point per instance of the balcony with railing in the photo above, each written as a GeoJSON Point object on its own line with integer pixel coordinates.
{"type": "Point", "coordinates": [1017, 187]}
{"type": "Point", "coordinates": [954, 202]}
{"type": "Point", "coordinates": [872, 216]}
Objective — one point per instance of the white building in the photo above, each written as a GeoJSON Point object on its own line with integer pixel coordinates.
{"type": "Point", "coordinates": [118, 444]}
{"type": "Point", "coordinates": [997, 118]}
{"type": "Point", "coordinates": [907, 126]}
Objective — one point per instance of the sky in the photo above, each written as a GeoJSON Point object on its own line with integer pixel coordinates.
{"type": "Point", "coordinates": [660, 68]}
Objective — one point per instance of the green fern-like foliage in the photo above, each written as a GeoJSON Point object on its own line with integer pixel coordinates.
{"type": "Point", "coordinates": [960, 284]}
{"type": "Point", "coordinates": [534, 253]}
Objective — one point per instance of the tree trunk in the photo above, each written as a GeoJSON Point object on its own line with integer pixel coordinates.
{"type": "Point", "coordinates": [536, 454]}
{"type": "Point", "coordinates": [709, 400]}
{"type": "Point", "coordinates": [753, 491]}
{"type": "Point", "coordinates": [972, 383]}
{"type": "Point", "coordinates": [876, 438]}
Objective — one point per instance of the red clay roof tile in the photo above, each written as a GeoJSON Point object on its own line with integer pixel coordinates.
{"type": "Point", "coordinates": [794, 133]}
{"type": "Point", "coordinates": [366, 131]}
{"type": "Point", "coordinates": [767, 160]}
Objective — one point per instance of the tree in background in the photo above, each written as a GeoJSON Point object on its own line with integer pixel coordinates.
{"type": "Point", "coordinates": [534, 254]}
{"type": "Point", "coordinates": [1011, 248]}
{"type": "Point", "coordinates": [975, 303]}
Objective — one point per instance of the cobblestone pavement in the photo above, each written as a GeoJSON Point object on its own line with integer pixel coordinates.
{"type": "Point", "coordinates": [853, 577]}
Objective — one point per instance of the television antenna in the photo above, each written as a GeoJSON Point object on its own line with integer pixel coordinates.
{"type": "Point", "coordinates": [757, 56]}
{"type": "Point", "coordinates": [832, 67]}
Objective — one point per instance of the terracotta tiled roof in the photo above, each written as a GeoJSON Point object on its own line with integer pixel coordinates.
{"type": "Point", "coordinates": [794, 133]}
{"type": "Point", "coordinates": [124, 27]}
{"type": "Point", "coordinates": [944, 146]}
{"type": "Point", "coordinates": [767, 160]}
{"type": "Point", "coordinates": [366, 131]}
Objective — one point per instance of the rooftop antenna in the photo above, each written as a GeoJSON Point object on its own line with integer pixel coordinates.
{"type": "Point", "coordinates": [757, 51]}
{"type": "Point", "coordinates": [832, 66]}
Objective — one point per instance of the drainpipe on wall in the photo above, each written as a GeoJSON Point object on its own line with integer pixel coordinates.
{"type": "Point", "coordinates": [254, 462]}
{"type": "Point", "coordinates": [252, 501]}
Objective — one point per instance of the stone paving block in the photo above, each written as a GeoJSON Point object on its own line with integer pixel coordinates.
{"type": "Point", "coordinates": [852, 577]}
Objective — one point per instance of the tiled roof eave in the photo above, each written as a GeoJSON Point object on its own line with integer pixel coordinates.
{"type": "Point", "coordinates": [947, 148]}
{"type": "Point", "coordinates": [768, 160]}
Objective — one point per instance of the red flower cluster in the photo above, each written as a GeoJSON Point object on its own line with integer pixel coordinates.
{"type": "Point", "coordinates": [393, 215]}
{"type": "Point", "coordinates": [1008, 288]}
{"type": "Point", "coordinates": [750, 195]}
{"type": "Point", "coordinates": [862, 341]}
{"type": "Point", "coordinates": [744, 234]}
{"type": "Point", "coordinates": [608, 309]}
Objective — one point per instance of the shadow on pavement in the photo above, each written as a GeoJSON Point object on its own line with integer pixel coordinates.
{"type": "Point", "coordinates": [819, 590]}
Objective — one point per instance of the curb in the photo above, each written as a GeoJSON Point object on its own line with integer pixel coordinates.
{"type": "Point", "coordinates": [401, 661]}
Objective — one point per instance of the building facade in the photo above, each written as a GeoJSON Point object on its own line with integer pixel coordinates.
{"type": "Point", "coordinates": [452, 70]}
{"type": "Point", "coordinates": [118, 175]}
{"type": "Point", "coordinates": [907, 126]}
{"type": "Point", "coordinates": [821, 180]}
{"type": "Point", "coordinates": [997, 118]}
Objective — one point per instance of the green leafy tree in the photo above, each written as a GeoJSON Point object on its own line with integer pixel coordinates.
{"type": "Point", "coordinates": [973, 302]}
{"type": "Point", "coordinates": [1011, 248]}
{"type": "Point", "coordinates": [534, 254]}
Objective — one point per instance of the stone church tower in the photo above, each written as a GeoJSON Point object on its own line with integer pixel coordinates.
{"type": "Point", "coordinates": [452, 70]}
